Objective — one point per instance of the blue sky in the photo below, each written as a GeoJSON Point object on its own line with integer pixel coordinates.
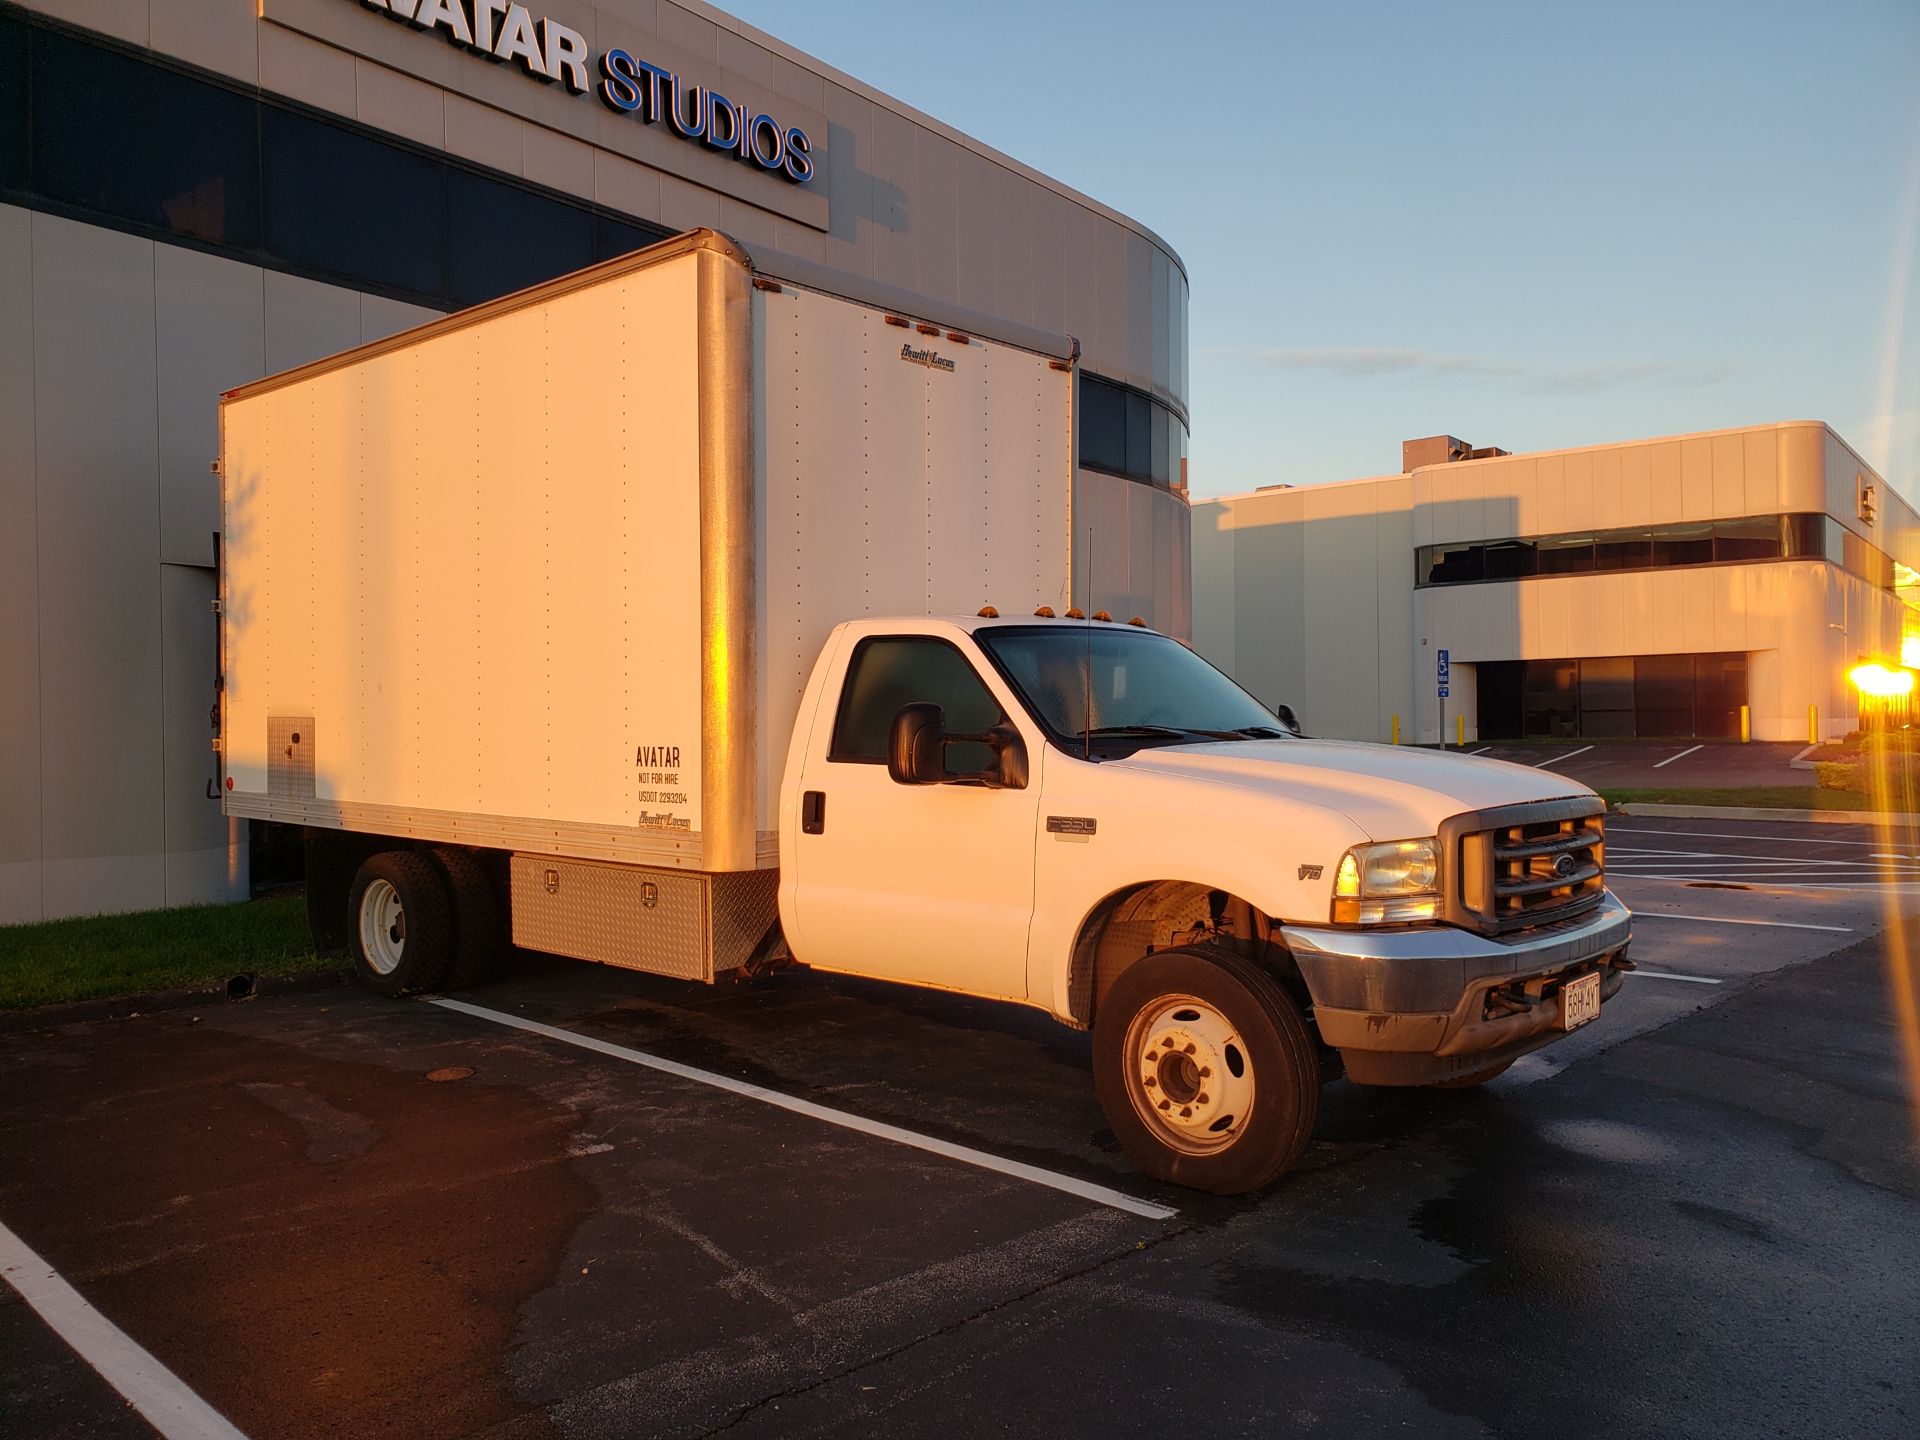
{"type": "Point", "coordinates": [1529, 225]}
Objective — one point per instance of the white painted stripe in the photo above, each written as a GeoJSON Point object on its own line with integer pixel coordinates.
{"type": "Point", "coordinates": [1619, 829]}
{"type": "Point", "coordinates": [160, 1396]}
{"type": "Point", "coordinates": [1728, 920]}
{"type": "Point", "coordinates": [1099, 1194]}
{"type": "Point", "coordinates": [1784, 886]}
{"type": "Point", "coordinates": [1669, 975]}
{"type": "Point", "coordinates": [1556, 759]}
{"type": "Point", "coordinates": [1481, 751]}
{"type": "Point", "coordinates": [1671, 758]}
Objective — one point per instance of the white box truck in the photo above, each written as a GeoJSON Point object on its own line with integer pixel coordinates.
{"type": "Point", "coordinates": [639, 618]}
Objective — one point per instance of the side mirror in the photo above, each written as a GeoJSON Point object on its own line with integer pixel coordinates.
{"type": "Point", "coordinates": [1284, 713]}
{"type": "Point", "coordinates": [917, 751]}
{"type": "Point", "coordinates": [916, 745]}
{"type": "Point", "coordinates": [1010, 759]}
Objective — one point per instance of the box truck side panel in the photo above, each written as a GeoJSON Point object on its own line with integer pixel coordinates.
{"type": "Point", "coordinates": [470, 567]}
{"type": "Point", "coordinates": [896, 473]}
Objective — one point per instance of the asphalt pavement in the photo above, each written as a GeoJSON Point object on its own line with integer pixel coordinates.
{"type": "Point", "coordinates": [1646, 764]}
{"type": "Point", "coordinates": [329, 1214]}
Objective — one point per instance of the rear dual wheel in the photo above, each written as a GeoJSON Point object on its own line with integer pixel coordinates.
{"type": "Point", "coordinates": [424, 920]}
{"type": "Point", "coordinates": [400, 923]}
{"type": "Point", "coordinates": [1205, 1070]}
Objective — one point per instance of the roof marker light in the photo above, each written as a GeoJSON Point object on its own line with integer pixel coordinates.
{"type": "Point", "coordinates": [1076, 613]}
{"type": "Point", "coordinates": [1102, 615]}
{"type": "Point", "coordinates": [987, 612]}
{"type": "Point", "coordinates": [1136, 620]}
{"type": "Point", "coordinates": [1045, 612]}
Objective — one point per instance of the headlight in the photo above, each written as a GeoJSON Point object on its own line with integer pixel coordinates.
{"type": "Point", "coordinates": [1391, 883]}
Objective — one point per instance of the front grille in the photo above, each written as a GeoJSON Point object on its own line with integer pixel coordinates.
{"type": "Point", "coordinates": [1527, 865]}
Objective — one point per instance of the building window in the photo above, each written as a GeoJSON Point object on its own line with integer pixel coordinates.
{"type": "Point", "coordinates": [340, 202]}
{"type": "Point", "coordinates": [1618, 696]}
{"type": "Point", "coordinates": [1126, 432]}
{"type": "Point", "coordinates": [1747, 540]}
{"type": "Point", "coordinates": [124, 138]}
{"type": "Point", "coordinates": [113, 135]}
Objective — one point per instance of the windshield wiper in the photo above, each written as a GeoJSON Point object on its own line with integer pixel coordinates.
{"type": "Point", "coordinates": [1161, 730]}
{"type": "Point", "coordinates": [1263, 732]}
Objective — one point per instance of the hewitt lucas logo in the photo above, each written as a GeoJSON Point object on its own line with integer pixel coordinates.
{"type": "Point", "coordinates": [932, 359]}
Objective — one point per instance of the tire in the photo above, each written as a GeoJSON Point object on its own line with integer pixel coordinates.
{"type": "Point", "coordinates": [479, 919]}
{"type": "Point", "coordinates": [1246, 1128]}
{"type": "Point", "coordinates": [1474, 1080]}
{"type": "Point", "coordinates": [399, 924]}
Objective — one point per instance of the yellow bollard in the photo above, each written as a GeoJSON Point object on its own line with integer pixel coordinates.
{"type": "Point", "coordinates": [1460, 731]}
{"type": "Point", "coordinates": [1813, 724]}
{"type": "Point", "coordinates": [1746, 725]}
{"type": "Point", "coordinates": [1396, 729]}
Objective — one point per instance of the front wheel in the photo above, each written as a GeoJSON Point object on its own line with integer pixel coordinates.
{"type": "Point", "coordinates": [1205, 1070]}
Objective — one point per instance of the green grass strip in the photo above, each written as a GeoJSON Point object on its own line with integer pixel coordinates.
{"type": "Point", "coordinates": [99, 956]}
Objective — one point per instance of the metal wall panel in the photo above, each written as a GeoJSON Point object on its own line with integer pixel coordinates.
{"type": "Point", "coordinates": [210, 327]}
{"type": "Point", "coordinates": [205, 852]}
{"type": "Point", "coordinates": [97, 466]}
{"type": "Point", "coordinates": [19, 581]}
{"type": "Point", "coordinates": [306, 320]}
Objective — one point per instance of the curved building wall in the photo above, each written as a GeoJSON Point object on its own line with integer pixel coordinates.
{"type": "Point", "coordinates": [194, 193]}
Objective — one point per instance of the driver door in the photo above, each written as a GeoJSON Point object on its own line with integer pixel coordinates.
{"type": "Point", "coordinates": [930, 884]}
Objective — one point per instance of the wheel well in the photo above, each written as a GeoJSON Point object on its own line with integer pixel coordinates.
{"type": "Point", "coordinates": [1136, 922]}
{"type": "Point", "coordinates": [334, 857]}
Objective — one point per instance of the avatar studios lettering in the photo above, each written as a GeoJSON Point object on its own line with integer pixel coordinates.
{"type": "Point", "coordinates": [552, 53]}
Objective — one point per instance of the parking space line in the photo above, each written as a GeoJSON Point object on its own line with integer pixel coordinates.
{"type": "Point", "coordinates": [161, 1397]}
{"type": "Point", "coordinates": [1669, 975]}
{"type": "Point", "coordinates": [1618, 829]}
{"type": "Point", "coordinates": [1681, 756]}
{"type": "Point", "coordinates": [1085, 1190]}
{"type": "Point", "coordinates": [1481, 751]}
{"type": "Point", "coordinates": [1556, 759]}
{"type": "Point", "coordinates": [1729, 920]}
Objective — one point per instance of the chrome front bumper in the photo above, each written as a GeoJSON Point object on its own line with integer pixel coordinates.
{"type": "Point", "coordinates": [1408, 1007]}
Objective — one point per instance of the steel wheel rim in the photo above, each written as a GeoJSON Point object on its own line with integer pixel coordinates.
{"type": "Point", "coordinates": [1189, 1075]}
{"type": "Point", "coordinates": [383, 927]}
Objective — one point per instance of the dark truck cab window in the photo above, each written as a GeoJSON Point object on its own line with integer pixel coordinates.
{"type": "Point", "coordinates": [888, 672]}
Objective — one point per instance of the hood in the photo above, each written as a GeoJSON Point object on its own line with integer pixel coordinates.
{"type": "Point", "coordinates": [1391, 792]}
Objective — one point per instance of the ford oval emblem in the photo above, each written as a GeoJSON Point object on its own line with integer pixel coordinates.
{"type": "Point", "coordinates": [1564, 865]}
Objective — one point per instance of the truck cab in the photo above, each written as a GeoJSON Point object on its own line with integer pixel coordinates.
{"type": "Point", "coordinates": [1087, 817]}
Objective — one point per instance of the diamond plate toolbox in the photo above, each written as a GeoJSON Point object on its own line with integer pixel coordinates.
{"type": "Point", "coordinates": [683, 923]}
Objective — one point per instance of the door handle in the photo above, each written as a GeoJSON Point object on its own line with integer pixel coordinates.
{"type": "Point", "coordinates": [813, 812]}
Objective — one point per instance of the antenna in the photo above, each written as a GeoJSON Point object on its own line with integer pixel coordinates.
{"type": "Point", "coordinates": [1086, 678]}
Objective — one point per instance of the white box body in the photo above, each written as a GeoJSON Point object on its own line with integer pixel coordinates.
{"type": "Point", "coordinates": [549, 575]}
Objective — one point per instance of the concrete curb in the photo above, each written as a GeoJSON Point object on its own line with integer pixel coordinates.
{"type": "Point", "coordinates": [125, 1007]}
{"type": "Point", "coordinates": [1753, 812]}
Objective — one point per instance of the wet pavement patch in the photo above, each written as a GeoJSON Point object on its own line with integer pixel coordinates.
{"type": "Point", "coordinates": [311, 1246]}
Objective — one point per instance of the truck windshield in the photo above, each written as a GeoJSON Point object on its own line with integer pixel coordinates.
{"type": "Point", "coordinates": [1107, 682]}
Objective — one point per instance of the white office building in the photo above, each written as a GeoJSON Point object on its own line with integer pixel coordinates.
{"type": "Point", "coordinates": [1653, 588]}
{"type": "Point", "coordinates": [197, 193]}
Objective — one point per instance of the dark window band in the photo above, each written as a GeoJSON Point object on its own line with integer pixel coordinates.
{"type": "Point", "coordinates": [1741, 541]}
{"type": "Point", "coordinates": [1128, 433]}
{"type": "Point", "coordinates": [114, 135]}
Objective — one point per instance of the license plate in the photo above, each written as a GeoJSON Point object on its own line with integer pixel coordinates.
{"type": "Point", "coordinates": [1580, 1001]}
